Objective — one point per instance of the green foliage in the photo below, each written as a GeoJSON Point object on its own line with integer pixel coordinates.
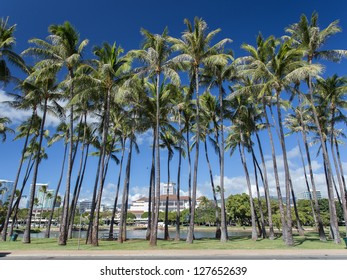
{"type": "Point", "coordinates": [238, 209]}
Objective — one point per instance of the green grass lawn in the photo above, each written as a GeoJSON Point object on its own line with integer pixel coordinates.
{"type": "Point", "coordinates": [309, 241]}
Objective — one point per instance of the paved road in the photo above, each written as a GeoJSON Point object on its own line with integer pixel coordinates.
{"type": "Point", "coordinates": [178, 254]}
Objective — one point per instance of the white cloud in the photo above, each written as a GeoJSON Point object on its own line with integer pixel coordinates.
{"type": "Point", "coordinates": [18, 116]}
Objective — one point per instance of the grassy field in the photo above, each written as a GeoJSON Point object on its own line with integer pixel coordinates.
{"type": "Point", "coordinates": [309, 241]}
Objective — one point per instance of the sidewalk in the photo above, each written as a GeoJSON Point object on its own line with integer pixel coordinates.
{"type": "Point", "coordinates": [223, 254]}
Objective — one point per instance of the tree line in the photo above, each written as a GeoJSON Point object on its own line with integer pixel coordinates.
{"type": "Point", "coordinates": [276, 87]}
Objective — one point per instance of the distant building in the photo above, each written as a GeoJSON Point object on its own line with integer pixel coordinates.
{"type": "Point", "coordinates": [45, 199]}
{"type": "Point", "coordinates": [306, 195]}
{"type": "Point", "coordinates": [140, 206]}
{"type": "Point", "coordinates": [86, 206]}
{"type": "Point", "coordinates": [6, 188]}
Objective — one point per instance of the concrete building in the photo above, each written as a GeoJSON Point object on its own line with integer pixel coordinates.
{"type": "Point", "coordinates": [306, 195]}
{"type": "Point", "coordinates": [6, 188]}
{"type": "Point", "coordinates": [86, 206]}
{"type": "Point", "coordinates": [140, 206]}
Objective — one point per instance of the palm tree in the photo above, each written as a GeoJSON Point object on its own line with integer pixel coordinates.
{"type": "Point", "coordinates": [332, 92]}
{"type": "Point", "coordinates": [239, 137]}
{"type": "Point", "coordinates": [44, 90]}
{"type": "Point", "coordinates": [310, 37]}
{"type": "Point", "coordinates": [25, 130]}
{"type": "Point", "coordinates": [155, 57]}
{"type": "Point", "coordinates": [62, 133]}
{"type": "Point", "coordinates": [209, 107]}
{"type": "Point", "coordinates": [110, 72]}
{"type": "Point", "coordinates": [62, 49]}
{"type": "Point", "coordinates": [4, 122]}
{"type": "Point", "coordinates": [261, 57]}
{"type": "Point", "coordinates": [216, 74]}
{"type": "Point", "coordinates": [7, 41]}
{"type": "Point", "coordinates": [195, 52]}
{"type": "Point", "coordinates": [300, 122]}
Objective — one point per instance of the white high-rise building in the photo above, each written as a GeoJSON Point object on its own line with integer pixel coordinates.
{"type": "Point", "coordinates": [306, 195]}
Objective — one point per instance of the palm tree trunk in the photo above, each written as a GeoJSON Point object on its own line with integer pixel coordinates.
{"type": "Point", "coordinates": [166, 226]}
{"type": "Point", "coordinates": [117, 189]}
{"type": "Point", "coordinates": [274, 161]}
{"type": "Point", "coordinates": [263, 230]}
{"type": "Point", "coordinates": [266, 190]}
{"type": "Point", "coordinates": [92, 210]}
{"type": "Point", "coordinates": [102, 170]}
{"type": "Point", "coordinates": [333, 217]}
{"type": "Point", "coordinates": [9, 209]}
{"type": "Point", "coordinates": [190, 235]}
{"type": "Point", "coordinates": [48, 229]}
{"type": "Point", "coordinates": [224, 229]}
{"type": "Point", "coordinates": [26, 236]}
{"type": "Point", "coordinates": [340, 163]}
{"type": "Point", "coordinates": [338, 175]}
{"type": "Point", "coordinates": [243, 160]}
{"type": "Point", "coordinates": [154, 234]}
{"type": "Point", "coordinates": [178, 209]}
{"type": "Point", "coordinates": [65, 213]}
{"type": "Point", "coordinates": [123, 215]}
{"type": "Point", "coordinates": [151, 196]}
{"type": "Point", "coordinates": [307, 184]}
{"type": "Point", "coordinates": [218, 229]}
{"type": "Point", "coordinates": [79, 174]}
{"type": "Point", "coordinates": [321, 233]}
{"type": "Point", "coordinates": [29, 168]}
{"type": "Point", "coordinates": [289, 237]}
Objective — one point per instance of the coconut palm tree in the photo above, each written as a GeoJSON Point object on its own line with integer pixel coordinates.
{"type": "Point", "coordinates": [216, 74]}
{"type": "Point", "coordinates": [285, 69]}
{"type": "Point", "coordinates": [44, 90]}
{"type": "Point", "coordinates": [62, 49]}
{"type": "Point", "coordinates": [7, 41]}
{"type": "Point", "coordinates": [62, 134]}
{"type": "Point", "coordinates": [196, 51]}
{"type": "Point", "coordinates": [332, 93]}
{"type": "Point", "coordinates": [310, 37]}
{"type": "Point", "coordinates": [4, 122]}
{"type": "Point", "coordinates": [28, 128]}
{"type": "Point", "coordinates": [239, 137]}
{"type": "Point", "coordinates": [300, 122]}
{"type": "Point", "coordinates": [110, 72]}
{"type": "Point", "coordinates": [261, 57]}
{"type": "Point", "coordinates": [155, 58]}
{"type": "Point", "coordinates": [210, 109]}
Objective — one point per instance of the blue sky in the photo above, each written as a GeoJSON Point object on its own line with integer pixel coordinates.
{"type": "Point", "coordinates": [121, 21]}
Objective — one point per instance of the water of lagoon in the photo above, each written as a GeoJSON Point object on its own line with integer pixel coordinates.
{"type": "Point", "coordinates": [141, 234]}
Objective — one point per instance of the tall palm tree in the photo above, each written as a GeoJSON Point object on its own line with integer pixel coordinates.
{"type": "Point", "coordinates": [210, 109]}
{"type": "Point", "coordinates": [196, 51]}
{"type": "Point", "coordinates": [44, 90]}
{"type": "Point", "coordinates": [239, 137]}
{"type": "Point", "coordinates": [62, 133]}
{"type": "Point", "coordinates": [332, 93]}
{"type": "Point", "coordinates": [310, 37]}
{"type": "Point", "coordinates": [261, 57]}
{"type": "Point", "coordinates": [301, 122]}
{"type": "Point", "coordinates": [62, 49]}
{"type": "Point", "coordinates": [110, 73]}
{"type": "Point", "coordinates": [155, 57]}
{"type": "Point", "coordinates": [216, 74]}
{"type": "Point", "coordinates": [7, 41]}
